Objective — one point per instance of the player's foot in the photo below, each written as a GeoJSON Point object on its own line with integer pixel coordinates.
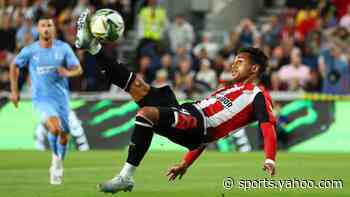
{"type": "Point", "coordinates": [117, 184]}
{"type": "Point", "coordinates": [84, 39]}
{"type": "Point", "coordinates": [56, 175]}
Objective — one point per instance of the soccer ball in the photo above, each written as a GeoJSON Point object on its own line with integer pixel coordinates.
{"type": "Point", "coordinates": [107, 25]}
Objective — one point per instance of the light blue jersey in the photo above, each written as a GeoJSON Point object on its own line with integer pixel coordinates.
{"type": "Point", "coordinates": [50, 91]}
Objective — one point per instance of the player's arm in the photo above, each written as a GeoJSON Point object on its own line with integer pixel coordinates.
{"type": "Point", "coordinates": [189, 158]}
{"type": "Point", "coordinates": [73, 71]}
{"type": "Point", "coordinates": [263, 111]}
{"type": "Point", "coordinates": [21, 60]}
{"type": "Point", "coordinates": [73, 67]}
{"type": "Point", "coordinates": [14, 73]}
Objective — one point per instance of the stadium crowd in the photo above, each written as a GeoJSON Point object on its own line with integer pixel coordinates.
{"type": "Point", "coordinates": [308, 47]}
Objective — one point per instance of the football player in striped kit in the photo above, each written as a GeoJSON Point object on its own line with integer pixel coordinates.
{"type": "Point", "coordinates": [191, 125]}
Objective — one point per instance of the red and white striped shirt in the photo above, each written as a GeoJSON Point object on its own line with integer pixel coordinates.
{"type": "Point", "coordinates": [235, 106]}
{"type": "Point", "coordinates": [231, 108]}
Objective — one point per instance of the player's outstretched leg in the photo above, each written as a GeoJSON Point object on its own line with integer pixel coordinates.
{"type": "Point", "coordinates": [118, 74]}
{"type": "Point", "coordinates": [146, 119]}
{"type": "Point", "coordinates": [114, 71]}
{"type": "Point", "coordinates": [56, 168]}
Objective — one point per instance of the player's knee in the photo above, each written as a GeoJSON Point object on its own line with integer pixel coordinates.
{"type": "Point", "coordinates": [53, 124]}
{"type": "Point", "coordinates": [54, 128]}
{"type": "Point", "coordinates": [151, 114]}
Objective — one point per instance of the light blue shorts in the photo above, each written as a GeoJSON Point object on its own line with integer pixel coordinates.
{"type": "Point", "coordinates": [48, 109]}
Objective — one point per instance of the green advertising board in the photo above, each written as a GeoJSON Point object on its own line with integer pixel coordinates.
{"type": "Point", "coordinates": [303, 125]}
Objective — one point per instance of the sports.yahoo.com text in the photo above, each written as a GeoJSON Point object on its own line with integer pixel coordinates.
{"type": "Point", "coordinates": [295, 183]}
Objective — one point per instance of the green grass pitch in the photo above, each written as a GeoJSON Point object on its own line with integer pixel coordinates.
{"type": "Point", "coordinates": [25, 174]}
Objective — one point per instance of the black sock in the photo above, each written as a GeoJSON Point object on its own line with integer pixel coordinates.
{"type": "Point", "coordinates": [141, 140]}
{"type": "Point", "coordinates": [115, 71]}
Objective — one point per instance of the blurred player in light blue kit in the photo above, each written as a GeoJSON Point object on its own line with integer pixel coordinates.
{"type": "Point", "coordinates": [50, 63]}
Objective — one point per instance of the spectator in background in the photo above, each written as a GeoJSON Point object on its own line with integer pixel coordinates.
{"type": "Point", "coordinates": [203, 55]}
{"type": "Point", "coordinates": [51, 9]}
{"type": "Point", "coordinates": [270, 78]}
{"type": "Point", "coordinates": [247, 32]}
{"type": "Point", "coordinates": [295, 74]}
{"type": "Point", "coordinates": [258, 42]}
{"type": "Point", "coordinates": [218, 64]}
{"type": "Point", "coordinates": [226, 75]}
{"type": "Point", "coordinates": [152, 24]}
{"type": "Point", "coordinates": [288, 29]}
{"type": "Point", "coordinates": [314, 41]}
{"type": "Point", "coordinates": [38, 8]}
{"type": "Point", "coordinates": [3, 6]}
{"type": "Point", "coordinates": [278, 59]}
{"type": "Point", "coordinates": [153, 50]}
{"type": "Point", "coordinates": [341, 7]}
{"type": "Point", "coordinates": [345, 20]}
{"type": "Point", "coordinates": [7, 35]}
{"type": "Point", "coordinates": [306, 21]}
{"type": "Point", "coordinates": [18, 9]}
{"type": "Point", "coordinates": [327, 13]}
{"type": "Point", "coordinates": [334, 70]}
{"type": "Point", "coordinates": [184, 77]}
{"type": "Point", "coordinates": [210, 46]}
{"type": "Point", "coordinates": [18, 21]}
{"type": "Point", "coordinates": [231, 44]}
{"type": "Point", "coordinates": [181, 53]}
{"type": "Point", "coordinates": [152, 21]}
{"type": "Point", "coordinates": [27, 27]}
{"type": "Point", "coordinates": [309, 58]}
{"type": "Point", "coordinates": [339, 36]}
{"type": "Point", "coordinates": [80, 7]}
{"type": "Point", "coordinates": [181, 34]}
{"type": "Point", "coordinates": [144, 69]}
{"type": "Point", "coordinates": [288, 44]}
{"type": "Point", "coordinates": [275, 83]}
{"type": "Point", "coordinates": [206, 75]}
{"type": "Point", "coordinates": [167, 65]}
{"type": "Point", "coordinates": [27, 38]}
{"type": "Point", "coordinates": [4, 79]}
{"type": "Point", "coordinates": [315, 82]}
{"type": "Point", "coordinates": [4, 72]}
{"type": "Point", "coordinates": [271, 31]}
{"type": "Point", "coordinates": [66, 26]}
{"type": "Point", "coordinates": [91, 80]}
{"type": "Point", "coordinates": [161, 78]}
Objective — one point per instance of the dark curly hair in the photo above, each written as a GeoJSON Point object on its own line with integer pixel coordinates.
{"type": "Point", "coordinates": [257, 56]}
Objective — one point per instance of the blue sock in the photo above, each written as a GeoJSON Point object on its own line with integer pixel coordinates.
{"type": "Point", "coordinates": [61, 149]}
{"type": "Point", "coordinates": [53, 142]}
